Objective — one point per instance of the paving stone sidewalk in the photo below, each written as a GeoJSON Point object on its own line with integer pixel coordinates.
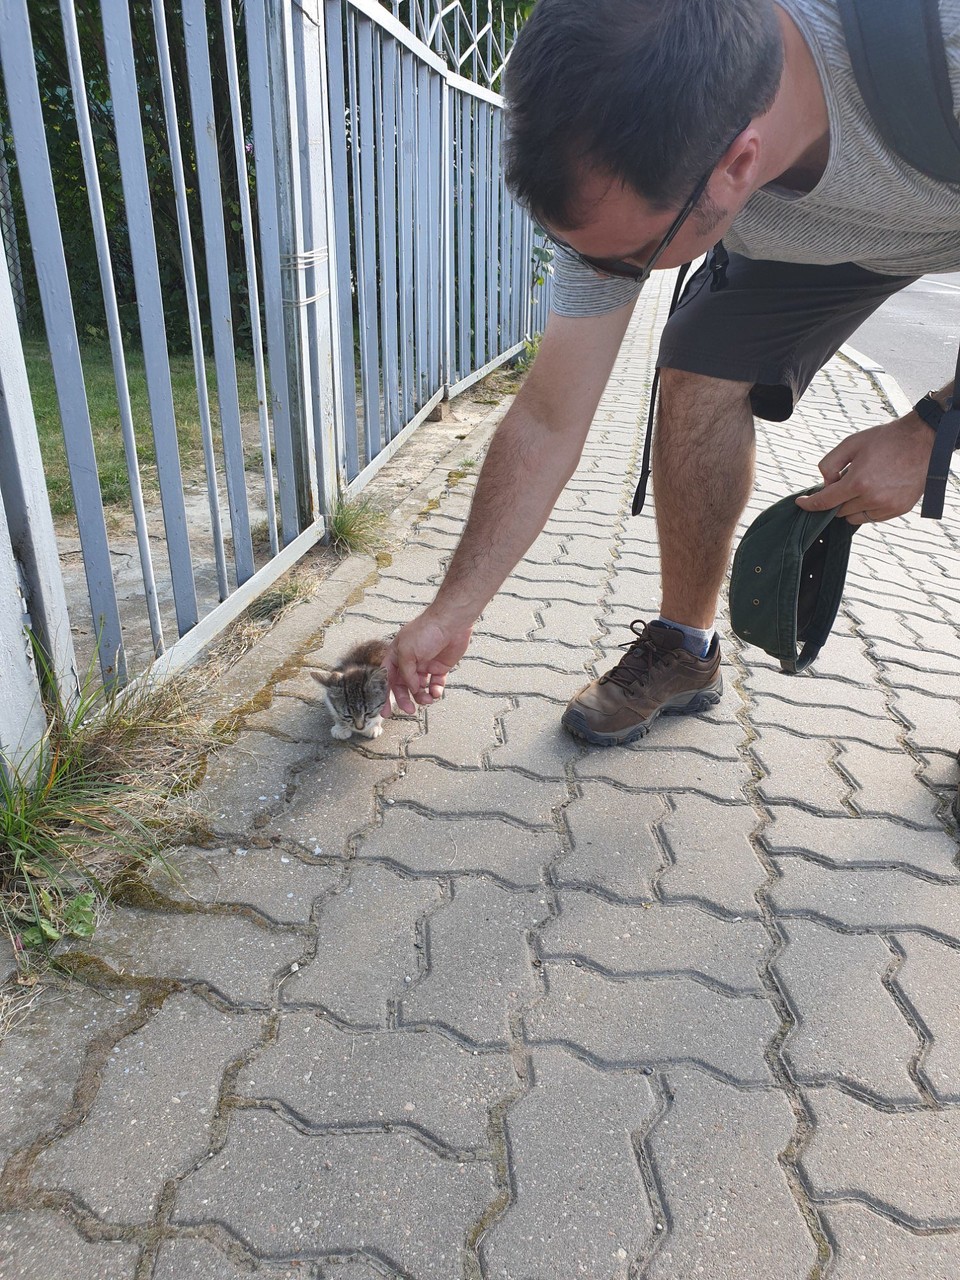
{"type": "Point", "coordinates": [475, 1000]}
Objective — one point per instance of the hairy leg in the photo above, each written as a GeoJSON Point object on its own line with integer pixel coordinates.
{"type": "Point", "coordinates": [703, 461]}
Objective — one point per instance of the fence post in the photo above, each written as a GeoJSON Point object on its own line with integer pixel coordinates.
{"type": "Point", "coordinates": [316, 300]}
{"type": "Point", "coordinates": [28, 549]}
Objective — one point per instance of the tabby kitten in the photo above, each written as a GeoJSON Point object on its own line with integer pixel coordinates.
{"type": "Point", "coordinates": [355, 691]}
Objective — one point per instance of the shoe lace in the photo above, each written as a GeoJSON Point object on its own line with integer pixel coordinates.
{"type": "Point", "coordinates": [641, 656]}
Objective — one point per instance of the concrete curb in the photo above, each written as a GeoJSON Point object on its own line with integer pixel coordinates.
{"type": "Point", "coordinates": [887, 385]}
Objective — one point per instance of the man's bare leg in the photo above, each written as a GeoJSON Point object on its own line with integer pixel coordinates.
{"type": "Point", "coordinates": [703, 464]}
{"type": "Point", "coordinates": [703, 474]}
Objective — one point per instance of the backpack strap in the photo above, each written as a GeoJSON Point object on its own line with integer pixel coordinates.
{"type": "Point", "coordinates": [900, 61]}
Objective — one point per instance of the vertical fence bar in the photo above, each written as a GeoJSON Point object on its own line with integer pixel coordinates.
{"type": "Point", "coordinates": [407, 117]}
{"type": "Point", "coordinates": [250, 260]}
{"type": "Point", "coordinates": [465, 279]}
{"type": "Point", "coordinates": [366, 233]}
{"type": "Point", "coordinates": [296, 262]}
{"type": "Point", "coordinates": [111, 310]}
{"type": "Point", "coordinates": [388, 241]}
{"type": "Point", "coordinates": [314, 302]}
{"type": "Point", "coordinates": [424, 234]}
{"type": "Point", "coordinates": [493, 264]}
{"type": "Point", "coordinates": [118, 43]}
{"type": "Point", "coordinates": [435, 162]}
{"type": "Point", "coordinates": [447, 274]}
{"type": "Point", "coordinates": [218, 279]}
{"type": "Point", "coordinates": [340, 195]}
{"type": "Point", "coordinates": [25, 509]}
{"type": "Point", "coordinates": [266, 140]}
{"type": "Point", "coordinates": [8, 232]}
{"type": "Point", "coordinates": [190, 287]}
{"type": "Point", "coordinates": [23, 98]}
{"type": "Point", "coordinates": [480, 206]}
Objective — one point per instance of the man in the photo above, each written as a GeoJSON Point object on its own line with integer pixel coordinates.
{"type": "Point", "coordinates": [641, 133]}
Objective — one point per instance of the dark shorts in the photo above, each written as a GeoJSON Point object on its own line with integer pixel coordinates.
{"type": "Point", "coordinates": [775, 325]}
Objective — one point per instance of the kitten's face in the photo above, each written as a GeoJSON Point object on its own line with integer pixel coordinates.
{"type": "Point", "coordinates": [355, 698]}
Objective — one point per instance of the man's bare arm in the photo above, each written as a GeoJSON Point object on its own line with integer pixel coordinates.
{"type": "Point", "coordinates": [533, 453]}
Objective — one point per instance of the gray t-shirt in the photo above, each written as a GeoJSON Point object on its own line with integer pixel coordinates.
{"type": "Point", "coordinates": [870, 207]}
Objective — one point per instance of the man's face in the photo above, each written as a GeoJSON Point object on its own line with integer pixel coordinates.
{"type": "Point", "coordinates": [620, 225]}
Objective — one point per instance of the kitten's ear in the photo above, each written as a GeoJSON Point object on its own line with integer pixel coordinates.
{"type": "Point", "coordinates": [377, 683]}
{"type": "Point", "coordinates": [327, 678]}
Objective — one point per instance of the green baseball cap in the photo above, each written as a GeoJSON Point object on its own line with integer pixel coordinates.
{"type": "Point", "coordinates": [787, 580]}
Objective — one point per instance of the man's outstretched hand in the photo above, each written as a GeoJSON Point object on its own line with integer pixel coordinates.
{"type": "Point", "coordinates": [421, 656]}
{"type": "Point", "coordinates": [875, 474]}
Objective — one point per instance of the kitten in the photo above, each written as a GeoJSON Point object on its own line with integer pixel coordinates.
{"type": "Point", "coordinates": [355, 691]}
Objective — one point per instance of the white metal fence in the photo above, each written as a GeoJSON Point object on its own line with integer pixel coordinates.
{"type": "Point", "coordinates": [331, 183]}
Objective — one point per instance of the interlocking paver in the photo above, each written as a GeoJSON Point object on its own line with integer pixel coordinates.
{"type": "Point", "coordinates": [437, 846]}
{"type": "Point", "coordinates": [859, 899]}
{"type": "Point", "coordinates": [151, 1117]}
{"type": "Point", "coordinates": [637, 1021]}
{"type": "Point", "coordinates": [848, 1025]}
{"type": "Point", "coordinates": [711, 858]}
{"type": "Point", "coordinates": [880, 776]}
{"type": "Point", "coordinates": [35, 1246]}
{"type": "Point", "coordinates": [424, 1081]}
{"type": "Point", "coordinates": [484, 792]}
{"type": "Point", "coordinates": [248, 781]}
{"type": "Point", "coordinates": [800, 769]}
{"type": "Point", "coordinates": [934, 719]}
{"type": "Point", "coordinates": [732, 1215]}
{"type": "Point", "coordinates": [811, 719]}
{"type": "Point", "coordinates": [461, 728]}
{"type": "Point", "coordinates": [868, 1246]}
{"type": "Point", "coordinates": [559, 686]}
{"type": "Point", "coordinates": [614, 845]}
{"type": "Point", "coordinates": [655, 938]}
{"type": "Point", "coordinates": [334, 800]}
{"type": "Point", "coordinates": [856, 841]}
{"type": "Point", "coordinates": [237, 958]}
{"type": "Point", "coordinates": [276, 883]}
{"type": "Point", "coordinates": [534, 741]}
{"type": "Point", "coordinates": [383, 1193]}
{"type": "Point", "coordinates": [579, 1204]}
{"type": "Point", "coordinates": [930, 979]}
{"type": "Point", "coordinates": [41, 1063]}
{"type": "Point", "coordinates": [199, 1260]}
{"type": "Point", "coordinates": [479, 968]}
{"type": "Point", "coordinates": [376, 916]}
{"type": "Point", "coordinates": [907, 1163]}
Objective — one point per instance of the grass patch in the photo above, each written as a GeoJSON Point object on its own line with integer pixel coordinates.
{"type": "Point", "coordinates": [355, 526]}
{"type": "Point", "coordinates": [105, 417]}
{"type": "Point", "coordinates": [90, 804]}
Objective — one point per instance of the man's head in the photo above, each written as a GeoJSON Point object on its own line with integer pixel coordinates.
{"type": "Point", "coordinates": [639, 95]}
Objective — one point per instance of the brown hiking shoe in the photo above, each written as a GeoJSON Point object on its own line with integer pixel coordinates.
{"type": "Point", "coordinates": [656, 676]}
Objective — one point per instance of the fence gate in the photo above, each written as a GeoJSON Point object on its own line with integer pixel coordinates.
{"type": "Point", "coordinates": [250, 245]}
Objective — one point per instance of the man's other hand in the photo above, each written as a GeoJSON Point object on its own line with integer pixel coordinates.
{"type": "Point", "coordinates": [420, 657]}
{"type": "Point", "coordinates": [875, 474]}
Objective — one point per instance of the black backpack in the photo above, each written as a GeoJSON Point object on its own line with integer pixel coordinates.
{"type": "Point", "coordinates": [900, 62]}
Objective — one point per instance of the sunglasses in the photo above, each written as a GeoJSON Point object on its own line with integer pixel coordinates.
{"type": "Point", "coordinates": [629, 270]}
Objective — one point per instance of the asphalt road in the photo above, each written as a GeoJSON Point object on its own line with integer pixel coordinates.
{"type": "Point", "coordinates": [914, 335]}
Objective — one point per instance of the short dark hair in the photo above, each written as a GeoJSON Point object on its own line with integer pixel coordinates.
{"type": "Point", "coordinates": [649, 91]}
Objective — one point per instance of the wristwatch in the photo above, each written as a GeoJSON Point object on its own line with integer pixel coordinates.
{"type": "Point", "coordinates": [931, 411]}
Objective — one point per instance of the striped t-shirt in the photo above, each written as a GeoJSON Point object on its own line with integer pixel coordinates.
{"type": "Point", "coordinates": [870, 207]}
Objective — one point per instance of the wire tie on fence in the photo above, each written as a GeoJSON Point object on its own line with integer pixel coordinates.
{"type": "Point", "coordinates": [300, 261]}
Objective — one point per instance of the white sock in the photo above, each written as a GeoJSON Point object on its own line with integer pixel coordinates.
{"type": "Point", "coordinates": [696, 640]}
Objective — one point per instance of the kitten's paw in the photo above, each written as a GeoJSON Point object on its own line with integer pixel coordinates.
{"type": "Point", "coordinates": [373, 731]}
{"type": "Point", "coordinates": [340, 731]}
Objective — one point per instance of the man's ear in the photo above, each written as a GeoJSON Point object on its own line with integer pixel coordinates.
{"type": "Point", "coordinates": [739, 166]}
